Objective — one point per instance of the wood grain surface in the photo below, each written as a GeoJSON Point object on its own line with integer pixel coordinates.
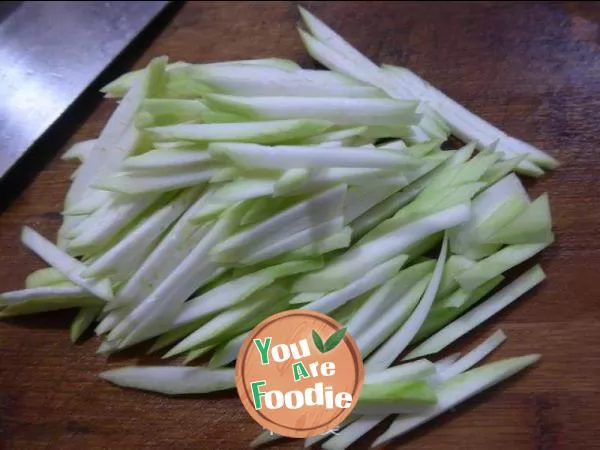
{"type": "Point", "coordinates": [532, 68]}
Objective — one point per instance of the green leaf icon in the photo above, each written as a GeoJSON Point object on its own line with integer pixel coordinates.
{"type": "Point", "coordinates": [331, 342]}
{"type": "Point", "coordinates": [318, 341]}
{"type": "Point", "coordinates": [334, 340]}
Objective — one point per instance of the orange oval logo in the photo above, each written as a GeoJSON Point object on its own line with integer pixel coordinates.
{"type": "Point", "coordinates": [299, 373]}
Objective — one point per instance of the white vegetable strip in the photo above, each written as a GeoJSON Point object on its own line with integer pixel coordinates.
{"type": "Point", "coordinates": [350, 265]}
{"type": "Point", "coordinates": [168, 254]}
{"type": "Point", "coordinates": [304, 215]}
{"type": "Point", "coordinates": [258, 132]}
{"type": "Point", "coordinates": [244, 189]}
{"type": "Point", "coordinates": [94, 199]}
{"type": "Point", "coordinates": [386, 325]}
{"type": "Point", "coordinates": [397, 144]}
{"type": "Point", "coordinates": [395, 345]}
{"type": "Point", "coordinates": [334, 52]}
{"type": "Point", "coordinates": [271, 248]}
{"type": "Point", "coordinates": [341, 111]}
{"type": "Point", "coordinates": [341, 239]}
{"type": "Point", "coordinates": [443, 364]}
{"type": "Point", "coordinates": [426, 203]}
{"type": "Point", "coordinates": [345, 136]}
{"type": "Point", "coordinates": [163, 305]}
{"type": "Point", "coordinates": [479, 314]}
{"type": "Point", "coordinates": [120, 137]}
{"type": "Point", "coordinates": [104, 224]}
{"type": "Point", "coordinates": [457, 390]}
{"type": "Point", "coordinates": [246, 314]}
{"type": "Point", "coordinates": [360, 200]}
{"type": "Point", "coordinates": [474, 356]}
{"type": "Point", "coordinates": [131, 249]}
{"type": "Point", "coordinates": [466, 124]}
{"type": "Point", "coordinates": [178, 145]}
{"type": "Point", "coordinates": [158, 160]}
{"type": "Point", "coordinates": [379, 307]}
{"type": "Point", "coordinates": [150, 183]}
{"type": "Point", "coordinates": [419, 369]}
{"type": "Point", "coordinates": [68, 266]}
{"type": "Point", "coordinates": [383, 210]}
{"type": "Point", "coordinates": [111, 320]}
{"type": "Point", "coordinates": [292, 157]}
{"type": "Point", "coordinates": [225, 174]}
{"type": "Point", "coordinates": [253, 81]}
{"type": "Point", "coordinates": [373, 278]}
{"type": "Point", "coordinates": [172, 380]}
{"type": "Point", "coordinates": [291, 180]}
{"type": "Point", "coordinates": [328, 78]}
{"type": "Point", "coordinates": [350, 176]}
{"type": "Point", "coordinates": [333, 60]}
{"type": "Point", "coordinates": [112, 132]}
{"type": "Point", "coordinates": [235, 291]}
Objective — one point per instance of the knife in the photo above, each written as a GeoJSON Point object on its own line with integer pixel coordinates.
{"type": "Point", "coordinates": [50, 52]}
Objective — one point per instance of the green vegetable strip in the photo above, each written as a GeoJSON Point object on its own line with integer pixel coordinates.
{"type": "Point", "coordinates": [350, 265]}
{"type": "Point", "coordinates": [172, 380]}
{"type": "Point", "coordinates": [474, 356]}
{"type": "Point", "coordinates": [496, 264]}
{"type": "Point", "coordinates": [446, 310]}
{"type": "Point", "coordinates": [227, 353]}
{"type": "Point", "coordinates": [268, 132]}
{"type": "Point", "coordinates": [163, 305]}
{"type": "Point", "coordinates": [135, 244]}
{"type": "Point", "coordinates": [373, 278]}
{"type": "Point", "coordinates": [322, 207]}
{"type": "Point", "coordinates": [282, 157]}
{"type": "Point", "coordinates": [85, 317]}
{"type": "Point", "coordinates": [458, 389]}
{"type": "Point", "coordinates": [272, 248]}
{"type": "Point", "coordinates": [380, 305]}
{"type": "Point", "coordinates": [68, 266]}
{"type": "Point", "coordinates": [395, 345]}
{"type": "Point", "coordinates": [44, 277]}
{"type": "Point", "coordinates": [419, 369]}
{"type": "Point", "coordinates": [479, 314]}
{"type": "Point", "coordinates": [340, 111]}
{"type": "Point", "coordinates": [372, 337]}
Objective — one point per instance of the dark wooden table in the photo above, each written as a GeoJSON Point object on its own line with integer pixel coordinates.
{"type": "Point", "coordinates": [533, 68]}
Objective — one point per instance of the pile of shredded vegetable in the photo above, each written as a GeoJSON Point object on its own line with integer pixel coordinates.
{"type": "Point", "coordinates": [219, 194]}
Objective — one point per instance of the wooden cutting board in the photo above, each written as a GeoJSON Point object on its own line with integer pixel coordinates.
{"type": "Point", "coordinates": [532, 68]}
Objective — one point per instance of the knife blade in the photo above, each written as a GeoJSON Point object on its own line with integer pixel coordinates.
{"type": "Point", "coordinates": [50, 52]}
